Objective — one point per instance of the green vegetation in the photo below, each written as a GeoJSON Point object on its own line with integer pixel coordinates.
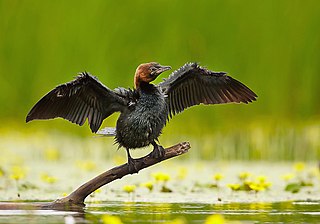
{"type": "Point", "coordinates": [272, 46]}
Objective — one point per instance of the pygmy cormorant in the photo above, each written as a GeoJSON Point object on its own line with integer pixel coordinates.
{"type": "Point", "coordinates": [145, 109]}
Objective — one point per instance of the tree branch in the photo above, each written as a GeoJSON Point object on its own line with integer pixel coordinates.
{"type": "Point", "coordinates": [75, 200]}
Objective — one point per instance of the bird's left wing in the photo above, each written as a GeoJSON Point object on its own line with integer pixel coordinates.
{"type": "Point", "coordinates": [193, 85]}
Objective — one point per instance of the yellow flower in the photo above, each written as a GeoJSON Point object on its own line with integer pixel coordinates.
{"type": "Point", "coordinates": [261, 179]}
{"type": "Point", "coordinates": [215, 219]}
{"type": "Point", "coordinates": [218, 176]}
{"type": "Point", "coordinates": [1, 172]}
{"type": "Point", "coordinates": [299, 166]}
{"type": "Point", "coordinates": [182, 173]}
{"type": "Point", "coordinates": [17, 173]}
{"type": "Point", "coordinates": [247, 182]}
{"type": "Point", "coordinates": [244, 175]}
{"type": "Point", "coordinates": [64, 194]}
{"type": "Point", "coordinates": [48, 179]}
{"type": "Point", "coordinates": [160, 176]}
{"type": "Point", "coordinates": [110, 219]}
{"type": "Point", "coordinates": [148, 185]}
{"type": "Point", "coordinates": [288, 176]}
{"type": "Point", "coordinates": [266, 185]}
{"type": "Point", "coordinates": [129, 188]}
{"type": "Point", "coordinates": [234, 187]}
{"type": "Point", "coordinates": [257, 187]}
{"type": "Point", "coordinates": [52, 154]}
{"type": "Point", "coordinates": [86, 165]}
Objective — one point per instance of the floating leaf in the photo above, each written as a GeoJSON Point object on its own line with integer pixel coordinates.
{"type": "Point", "coordinates": [293, 187]}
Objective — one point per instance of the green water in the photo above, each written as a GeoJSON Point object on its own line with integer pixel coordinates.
{"type": "Point", "coordinates": [131, 212]}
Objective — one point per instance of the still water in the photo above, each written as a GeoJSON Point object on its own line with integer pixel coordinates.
{"type": "Point", "coordinates": [140, 212]}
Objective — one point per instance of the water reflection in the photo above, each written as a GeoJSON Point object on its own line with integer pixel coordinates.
{"type": "Point", "coordinates": [139, 212]}
{"type": "Point", "coordinates": [197, 213]}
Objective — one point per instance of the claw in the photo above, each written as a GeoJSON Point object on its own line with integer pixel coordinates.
{"type": "Point", "coordinates": [158, 151]}
{"type": "Point", "coordinates": [131, 164]}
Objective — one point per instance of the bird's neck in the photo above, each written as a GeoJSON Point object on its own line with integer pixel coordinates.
{"type": "Point", "coordinates": [137, 82]}
{"type": "Point", "coordinates": [145, 87]}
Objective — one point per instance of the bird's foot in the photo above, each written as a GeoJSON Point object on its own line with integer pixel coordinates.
{"type": "Point", "coordinates": [132, 166]}
{"type": "Point", "coordinates": [158, 152]}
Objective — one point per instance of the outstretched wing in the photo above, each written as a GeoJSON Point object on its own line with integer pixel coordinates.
{"type": "Point", "coordinates": [192, 85]}
{"type": "Point", "coordinates": [85, 97]}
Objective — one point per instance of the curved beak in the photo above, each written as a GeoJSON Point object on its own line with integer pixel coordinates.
{"type": "Point", "coordinates": [162, 69]}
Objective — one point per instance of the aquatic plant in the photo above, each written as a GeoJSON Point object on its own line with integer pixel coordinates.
{"type": "Point", "coordinates": [18, 173]}
{"type": "Point", "coordinates": [129, 188]}
{"type": "Point", "coordinates": [301, 178]}
{"type": "Point", "coordinates": [162, 178]}
{"type": "Point", "coordinates": [217, 177]}
{"type": "Point", "coordinates": [45, 177]}
{"type": "Point", "coordinates": [148, 185]}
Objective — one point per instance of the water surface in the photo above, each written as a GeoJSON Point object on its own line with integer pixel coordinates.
{"type": "Point", "coordinates": [146, 212]}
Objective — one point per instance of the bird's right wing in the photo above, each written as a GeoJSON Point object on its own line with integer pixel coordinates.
{"type": "Point", "coordinates": [78, 100]}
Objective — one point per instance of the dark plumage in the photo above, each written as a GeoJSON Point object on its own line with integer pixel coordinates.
{"type": "Point", "coordinates": [145, 109]}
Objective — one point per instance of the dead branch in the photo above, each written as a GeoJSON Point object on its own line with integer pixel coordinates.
{"type": "Point", "coordinates": [75, 200]}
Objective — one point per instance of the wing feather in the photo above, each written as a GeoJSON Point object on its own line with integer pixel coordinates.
{"type": "Point", "coordinates": [81, 99]}
{"type": "Point", "coordinates": [193, 85]}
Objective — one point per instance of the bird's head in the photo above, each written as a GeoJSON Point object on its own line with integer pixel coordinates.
{"type": "Point", "coordinates": [148, 72]}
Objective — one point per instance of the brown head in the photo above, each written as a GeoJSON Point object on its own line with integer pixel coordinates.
{"type": "Point", "coordinates": [148, 72]}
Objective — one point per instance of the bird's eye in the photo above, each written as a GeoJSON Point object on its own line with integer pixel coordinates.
{"type": "Point", "coordinates": [153, 71]}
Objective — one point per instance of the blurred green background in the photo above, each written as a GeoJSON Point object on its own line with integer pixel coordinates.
{"type": "Point", "coordinates": [272, 46]}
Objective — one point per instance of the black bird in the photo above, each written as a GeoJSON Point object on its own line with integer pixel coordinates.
{"type": "Point", "coordinates": [144, 109]}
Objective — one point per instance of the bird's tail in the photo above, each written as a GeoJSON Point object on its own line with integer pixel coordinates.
{"type": "Point", "coordinates": [108, 131]}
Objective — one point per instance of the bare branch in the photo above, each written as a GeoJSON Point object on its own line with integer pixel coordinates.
{"type": "Point", "coordinates": [75, 200]}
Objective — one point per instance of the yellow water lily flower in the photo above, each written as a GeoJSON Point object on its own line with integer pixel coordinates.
{"type": "Point", "coordinates": [86, 165]}
{"type": "Point", "coordinates": [1, 172]}
{"type": "Point", "coordinates": [110, 219]}
{"type": "Point", "coordinates": [52, 154]}
{"type": "Point", "coordinates": [234, 187]}
{"type": "Point", "coordinates": [215, 219]}
{"type": "Point", "coordinates": [129, 188]}
{"type": "Point", "coordinates": [244, 176]}
{"type": "Point", "coordinates": [217, 176]}
{"type": "Point", "coordinates": [257, 187]}
{"type": "Point", "coordinates": [261, 179]}
{"type": "Point", "coordinates": [160, 176]}
{"type": "Point", "coordinates": [18, 173]}
{"type": "Point", "coordinates": [48, 179]}
{"type": "Point", "coordinates": [299, 166]}
{"type": "Point", "coordinates": [288, 176]}
{"type": "Point", "coordinates": [148, 185]}
{"type": "Point", "coordinates": [182, 173]}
